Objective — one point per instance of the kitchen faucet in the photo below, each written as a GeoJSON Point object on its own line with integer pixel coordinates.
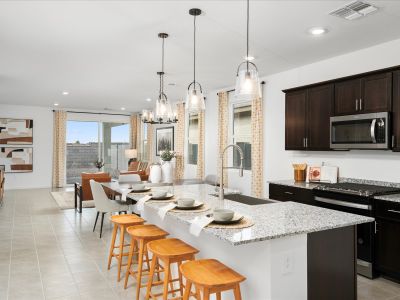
{"type": "Point", "coordinates": [221, 184]}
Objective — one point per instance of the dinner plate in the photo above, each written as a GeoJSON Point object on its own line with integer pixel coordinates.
{"type": "Point", "coordinates": [197, 204]}
{"type": "Point", "coordinates": [236, 219]}
{"type": "Point", "coordinates": [146, 189]}
{"type": "Point", "coordinates": [166, 197]}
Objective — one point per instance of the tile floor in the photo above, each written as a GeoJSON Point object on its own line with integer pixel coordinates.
{"type": "Point", "coordinates": [48, 253]}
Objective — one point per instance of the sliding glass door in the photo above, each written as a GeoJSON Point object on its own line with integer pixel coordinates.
{"type": "Point", "coordinates": [83, 149]}
{"type": "Point", "coordinates": [88, 142]}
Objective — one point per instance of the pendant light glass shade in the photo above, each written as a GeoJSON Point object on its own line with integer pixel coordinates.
{"type": "Point", "coordinates": [247, 82]}
{"type": "Point", "coordinates": [163, 109]}
{"type": "Point", "coordinates": [195, 99]}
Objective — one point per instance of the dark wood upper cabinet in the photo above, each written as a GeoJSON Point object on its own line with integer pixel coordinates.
{"type": "Point", "coordinates": [347, 95]}
{"type": "Point", "coordinates": [376, 93]}
{"type": "Point", "coordinates": [308, 113]}
{"type": "Point", "coordinates": [319, 103]}
{"type": "Point", "coordinates": [366, 94]}
{"type": "Point", "coordinates": [396, 111]}
{"type": "Point", "coordinates": [295, 120]}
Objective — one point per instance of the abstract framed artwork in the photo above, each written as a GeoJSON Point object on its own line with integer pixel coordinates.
{"type": "Point", "coordinates": [164, 139]}
{"type": "Point", "coordinates": [16, 131]}
{"type": "Point", "coordinates": [16, 159]}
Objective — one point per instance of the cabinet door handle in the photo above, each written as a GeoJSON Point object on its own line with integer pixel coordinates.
{"type": "Point", "coordinates": [376, 227]}
{"type": "Point", "coordinates": [393, 141]}
{"type": "Point", "coordinates": [289, 193]}
{"type": "Point", "coordinates": [356, 104]}
{"type": "Point", "coordinates": [306, 142]}
{"type": "Point", "coordinates": [360, 103]}
{"type": "Point", "coordinates": [394, 211]}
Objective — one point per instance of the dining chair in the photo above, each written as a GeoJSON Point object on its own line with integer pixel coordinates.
{"type": "Point", "coordinates": [104, 204]}
{"type": "Point", "coordinates": [124, 178]}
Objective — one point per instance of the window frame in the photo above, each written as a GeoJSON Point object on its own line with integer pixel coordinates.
{"type": "Point", "coordinates": [233, 103]}
{"type": "Point", "coordinates": [187, 136]}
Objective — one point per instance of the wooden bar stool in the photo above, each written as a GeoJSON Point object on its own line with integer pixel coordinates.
{"type": "Point", "coordinates": [210, 276]}
{"type": "Point", "coordinates": [141, 236]}
{"type": "Point", "coordinates": [121, 222]}
{"type": "Point", "coordinates": [168, 251]}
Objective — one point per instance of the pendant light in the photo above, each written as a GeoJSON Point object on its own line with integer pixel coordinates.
{"type": "Point", "coordinates": [194, 99]}
{"type": "Point", "coordinates": [163, 113]}
{"type": "Point", "coordinates": [247, 80]}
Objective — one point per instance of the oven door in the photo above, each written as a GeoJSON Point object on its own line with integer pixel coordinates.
{"type": "Point", "coordinates": [365, 232]}
{"type": "Point", "coordinates": [366, 131]}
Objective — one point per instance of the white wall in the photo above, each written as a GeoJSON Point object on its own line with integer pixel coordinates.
{"type": "Point", "coordinates": [42, 146]}
{"type": "Point", "coordinates": [374, 165]}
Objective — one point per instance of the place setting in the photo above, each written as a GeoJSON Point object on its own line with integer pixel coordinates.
{"type": "Point", "coordinates": [220, 218]}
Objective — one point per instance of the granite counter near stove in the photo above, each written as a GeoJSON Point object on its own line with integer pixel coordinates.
{"type": "Point", "coordinates": [390, 198]}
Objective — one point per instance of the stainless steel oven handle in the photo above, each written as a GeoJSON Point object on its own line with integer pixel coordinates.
{"type": "Point", "coordinates": [373, 131]}
{"type": "Point", "coordinates": [343, 203]}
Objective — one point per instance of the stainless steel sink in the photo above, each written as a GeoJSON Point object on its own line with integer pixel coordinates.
{"type": "Point", "coordinates": [245, 199]}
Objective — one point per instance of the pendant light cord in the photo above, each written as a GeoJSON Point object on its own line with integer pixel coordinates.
{"type": "Point", "coordinates": [162, 71]}
{"type": "Point", "coordinates": [248, 18]}
{"type": "Point", "coordinates": [194, 51]}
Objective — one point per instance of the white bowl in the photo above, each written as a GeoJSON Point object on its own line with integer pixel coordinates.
{"type": "Point", "coordinates": [186, 202]}
{"type": "Point", "coordinates": [138, 187]}
{"type": "Point", "coordinates": [223, 214]}
{"type": "Point", "coordinates": [159, 194]}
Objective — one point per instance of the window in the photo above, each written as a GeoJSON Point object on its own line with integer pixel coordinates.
{"type": "Point", "coordinates": [242, 134]}
{"type": "Point", "coordinates": [193, 138]}
{"type": "Point", "coordinates": [89, 141]}
{"type": "Point", "coordinates": [144, 146]}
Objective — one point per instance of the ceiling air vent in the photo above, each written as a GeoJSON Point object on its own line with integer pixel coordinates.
{"type": "Point", "coordinates": [354, 10]}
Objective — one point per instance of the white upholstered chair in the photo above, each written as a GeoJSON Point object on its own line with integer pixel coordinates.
{"type": "Point", "coordinates": [128, 178]}
{"type": "Point", "coordinates": [103, 204]}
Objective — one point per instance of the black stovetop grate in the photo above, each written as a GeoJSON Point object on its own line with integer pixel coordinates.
{"type": "Point", "coordinates": [359, 187]}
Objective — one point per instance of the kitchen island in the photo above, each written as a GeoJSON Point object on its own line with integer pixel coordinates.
{"type": "Point", "coordinates": [293, 251]}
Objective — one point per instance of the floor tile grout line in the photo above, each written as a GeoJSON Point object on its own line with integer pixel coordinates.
{"type": "Point", "coordinates": [97, 267]}
{"type": "Point", "coordinates": [11, 248]}
{"type": "Point", "coordinates": [37, 258]}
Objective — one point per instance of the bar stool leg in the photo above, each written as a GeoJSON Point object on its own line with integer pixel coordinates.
{"type": "Point", "coordinates": [180, 279]}
{"type": "Point", "coordinates": [139, 271]}
{"type": "Point", "coordinates": [114, 236]}
{"type": "Point", "coordinates": [206, 294]}
{"type": "Point", "coordinates": [187, 290]}
{"type": "Point", "coordinates": [151, 274]}
{"type": "Point", "coordinates": [167, 274]}
{"type": "Point", "coordinates": [121, 250]}
{"type": "Point", "coordinates": [130, 258]}
{"type": "Point", "coordinates": [219, 296]}
{"type": "Point", "coordinates": [237, 293]}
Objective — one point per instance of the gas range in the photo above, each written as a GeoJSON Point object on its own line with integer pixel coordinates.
{"type": "Point", "coordinates": [357, 189]}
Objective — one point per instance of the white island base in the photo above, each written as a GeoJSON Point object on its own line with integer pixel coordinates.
{"type": "Point", "coordinates": [275, 269]}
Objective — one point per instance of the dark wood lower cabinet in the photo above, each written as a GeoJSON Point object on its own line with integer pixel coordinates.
{"type": "Point", "coordinates": [289, 193]}
{"type": "Point", "coordinates": [331, 264]}
{"type": "Point", "coordinates": [387, 239]}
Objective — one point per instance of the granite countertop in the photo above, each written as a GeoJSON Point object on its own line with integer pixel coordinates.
{"type": "Point", "coordinates": [392, 198]}
{"type": "Point", "coordinates": [272, 220]}
{"type": "Point", "coordinates": [293, 183]}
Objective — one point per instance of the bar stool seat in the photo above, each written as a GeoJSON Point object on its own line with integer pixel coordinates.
{"type": "Point", "coordinates": [121, 222]}
{"type": "Point", "coordinates": [168, 251]}
{"type": "Point", "coordinates": [211, 276]}
{"type": "Point", "coordinates": [141, 235]}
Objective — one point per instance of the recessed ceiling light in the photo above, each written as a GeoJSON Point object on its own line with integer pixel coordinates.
{"type": "Point", "coordinates": [65, 93]}
{"type": "Point", "coordinates": [148, 99]}
{"type": "Point", "coordinates": [317, 31]}
{"type": "Point", "coordinates": [172, 83]}
{"type": "Point", "coordinates": [56, 104]}
{"type": "Point", "coordinates": [122, 108]}
{"type": "Point", "coordinates": [249, 58]}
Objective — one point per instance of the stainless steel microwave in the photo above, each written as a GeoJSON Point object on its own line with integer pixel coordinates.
{"type": "Point", "coordinates": [364, 131]}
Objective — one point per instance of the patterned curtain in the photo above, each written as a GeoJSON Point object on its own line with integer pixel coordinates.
{"type": "Point", "coordinates": [257, 148]}
{"type": "Point", "coordinates": [133, 131]}
{"type": "Point", "coordinates": [223, 131]}
{"type": "Point", "coordinates": [200, 152]}
{"type": "Point", "coordinates": [138, 136]}
{"type": "Point", "coordinates": [150, 143]}
{"type": "Point", "coordinates": [180, 142]}
{"type": "Point", "coordinates": [59, 144]}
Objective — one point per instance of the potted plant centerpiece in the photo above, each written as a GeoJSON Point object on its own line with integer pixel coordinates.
{"type": "Point", "coordinates": [166, 167]}
{"type": "Point", "coordinates": [99, 164]}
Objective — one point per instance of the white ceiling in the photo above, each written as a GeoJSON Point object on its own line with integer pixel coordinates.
{"type": "Point", "coordinates": [106, 53]}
